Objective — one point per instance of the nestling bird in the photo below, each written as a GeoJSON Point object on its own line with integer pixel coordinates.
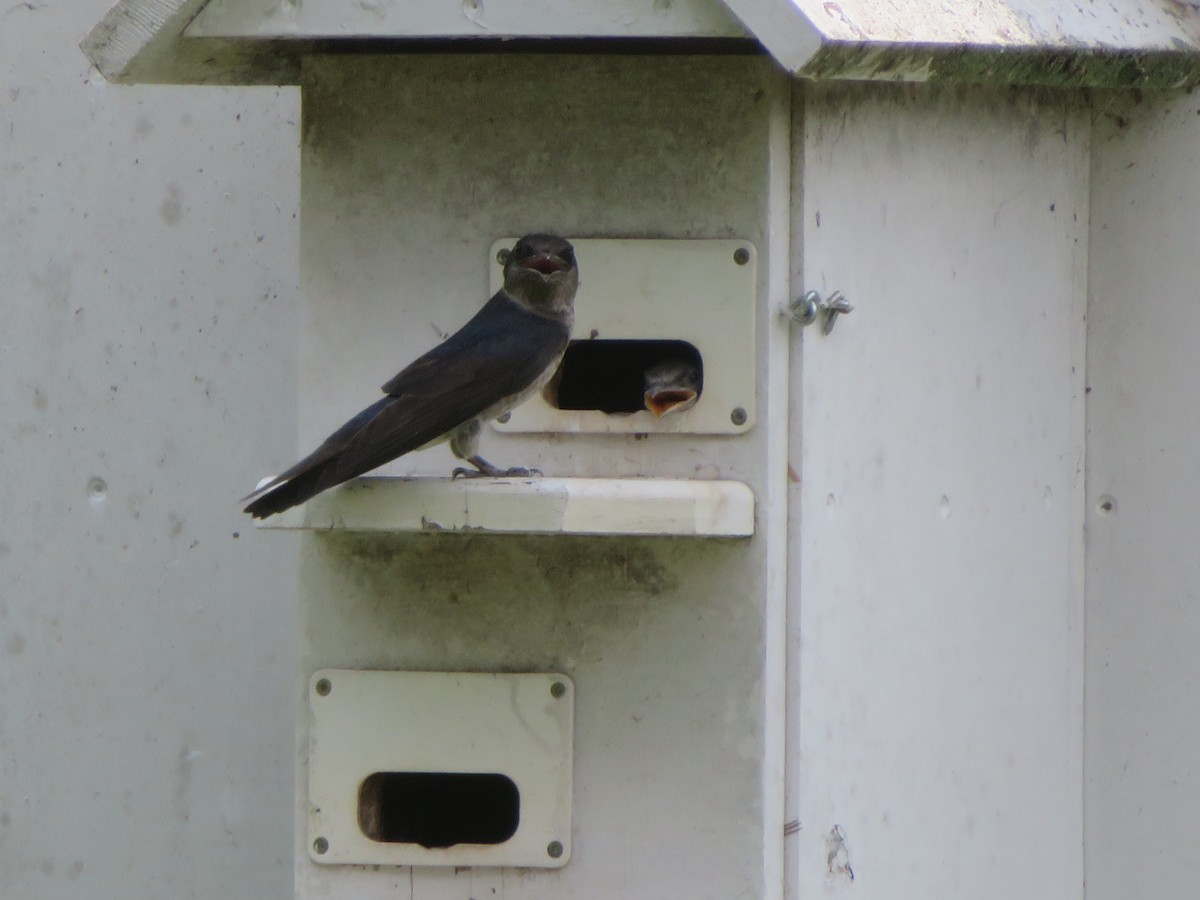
{"type": "Point", "coordinates": [500, 358]}
{"type": "Point", "coordinates": [672, 386]}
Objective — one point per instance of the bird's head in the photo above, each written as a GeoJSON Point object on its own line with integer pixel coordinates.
{"type": "Point", "coordinates": [541, 274]}
{"type": "Point", "coordinates": [672, 385]}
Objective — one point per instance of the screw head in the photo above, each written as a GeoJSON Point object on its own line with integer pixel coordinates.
{"type": "Point", "coordinates": [557, 689]}
{"type": "Point", "coordinates": [97, 489]}
{"type": "Point", "coordinates": [323, 687]}
{"type": "Point", "coordinates": [502, 256]}
{"type": "Point", "coordinates": [738, 416]}
{"type": "Point", "coordinates": [321, 846]}
{"type": "Point", "coordinates": [554, 849]}
{"type": "Point", "coordinates": [741, 256]}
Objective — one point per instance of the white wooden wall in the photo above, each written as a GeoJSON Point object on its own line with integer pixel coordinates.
{"type": "Point", "coordinates": [937, 604]}
{"type": "Point", "coordinates": [1143, 572]}
{"type": "Point", "coordinates": [147, 364]}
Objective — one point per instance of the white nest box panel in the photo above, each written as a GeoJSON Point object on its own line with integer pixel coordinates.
{"type": "Point", "coordinates": [440, 768]}
{"type": "Point", "coordinates": [642, 301]}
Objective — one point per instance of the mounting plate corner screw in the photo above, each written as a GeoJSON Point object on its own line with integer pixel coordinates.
{"type": "Point", "coordinates": [812, 306]}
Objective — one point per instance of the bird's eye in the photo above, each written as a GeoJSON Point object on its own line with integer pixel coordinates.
{"type": "Point", "coordinates": [568, 255]}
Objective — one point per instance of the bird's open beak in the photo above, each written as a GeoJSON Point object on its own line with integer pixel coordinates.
{"type": "Point", "coordinates": [662, 402]}
{"type": "Point", "coordinates": [546, 263]}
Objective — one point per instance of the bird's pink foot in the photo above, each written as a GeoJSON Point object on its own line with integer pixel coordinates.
{"type": "Point", "coordinates": [484, 469]}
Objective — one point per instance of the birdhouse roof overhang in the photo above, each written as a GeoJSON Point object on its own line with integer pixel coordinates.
{"type": "Point", "coordinates": [1080, 43]}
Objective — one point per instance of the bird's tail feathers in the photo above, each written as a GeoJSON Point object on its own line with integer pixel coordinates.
{"type": "Point", "coordinates": [280, 494]}
{"type": "Point", "coordinates": [263, 486]}
{"type": "Point", "coordinates": [317, 471]}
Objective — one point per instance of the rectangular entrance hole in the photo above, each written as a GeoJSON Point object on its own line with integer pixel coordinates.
{"type": "Point", "coordinates": [610, 376]}
{"type": "Point", "coordinates": [438, 809]}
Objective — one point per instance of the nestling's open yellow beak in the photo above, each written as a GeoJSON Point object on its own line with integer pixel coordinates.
{"type": "Point", "coordinates": [675, 400]}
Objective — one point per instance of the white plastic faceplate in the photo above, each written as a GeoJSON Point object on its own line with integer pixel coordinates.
{"type": "Point", "coordinates": [363, 722]}
{"type": "Point", "coordinates": [688, 290]}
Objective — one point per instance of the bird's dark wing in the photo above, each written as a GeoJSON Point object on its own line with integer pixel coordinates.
{"type": "Point", "coordinates": [497, 354]}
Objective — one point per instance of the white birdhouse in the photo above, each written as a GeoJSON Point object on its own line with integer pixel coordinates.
{"type": "Point", "coordinates": [823, 625]}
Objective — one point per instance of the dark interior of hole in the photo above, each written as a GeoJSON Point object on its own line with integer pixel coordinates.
{"type": "Point", "coordinates": [438, 809]}
{"type": "Point", "coordinates": [609, 376]}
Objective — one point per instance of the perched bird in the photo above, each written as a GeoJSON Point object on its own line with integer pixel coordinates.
{"type": "Point", "coordinates": [501, 357]}
{"type": "Point", "coordinates": [672, 386]}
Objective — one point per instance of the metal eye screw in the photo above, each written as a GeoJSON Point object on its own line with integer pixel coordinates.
{"type": "Point", "coordinates": [812, 306]}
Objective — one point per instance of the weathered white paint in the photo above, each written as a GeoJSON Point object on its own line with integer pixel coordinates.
{"type": "Point", "coordinates": [515, 725]}
{"type": "Point", "coordinates": [939, 539]}
{"type": "Point", "coordinates": [410, 166]}
{"type": "Point", "coordinates": [258, 42]}
{"type": "Point", "coordinates": [531, 506]}
{"type": "Point", "coordinates": [463, 18]}
{"type": "Point", "coordinates": [1143, 570]}
{"type": "Point", "coordinates": [794, 30]}
{"type": "Point", "coordinates": [1059, 42]}
{"type": "Point", "coordinates": [775, 492]}
{"type": "Point", "coordinates": [148, 639]}
{"type": "Point", "coordinates": [133, 30]}
{"type": "Point", "coordinates": [791, 630]}
{"type": "Point", "coordinates": [1154, 25]}
{"type": "Point", "coordinates": [140, 42]}
{"type": "Point", "coordinates": [640, 290]}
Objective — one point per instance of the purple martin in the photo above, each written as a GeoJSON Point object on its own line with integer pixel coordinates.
{"type": "Point", "coordinates": [500, 358]}
{"type": "Point", "coordinates": [672, 385]}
